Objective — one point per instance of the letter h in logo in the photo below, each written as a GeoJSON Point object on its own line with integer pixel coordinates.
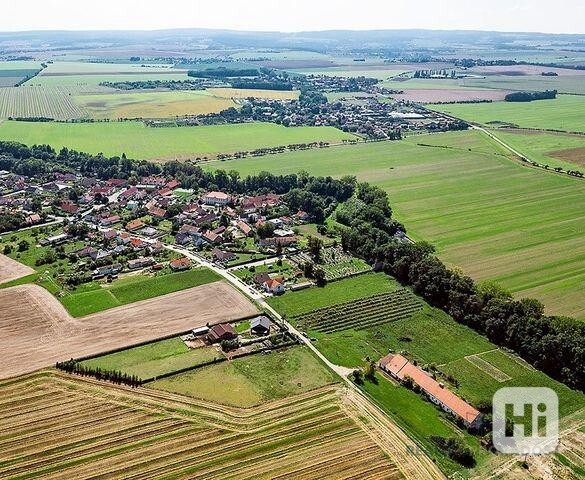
{"type": "Point", "coordinates": [525, 420]}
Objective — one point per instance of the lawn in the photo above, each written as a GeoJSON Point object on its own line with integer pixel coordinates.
{"type": "Point", "coordinates": [141, 142]}
{"type": "Point", "coordinates": [248, 381]}
{"type": "Point", "coordinates": [566, 112]}
{"type": "Point", "coordinates": [523, 230]}
{"type": "Point", "coordinates": [153, 359]}
{"type": "Point", "coordinates": [152, 104]}
{"type": "Point", "coordinates": [296, 303]}
{"type": "Point", "coordinates": [133, 289]}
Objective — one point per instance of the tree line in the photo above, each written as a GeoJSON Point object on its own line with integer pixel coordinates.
{"type": "Point", "coordinates": [530, 96]}
{"type": "Point", "coordinates": [114, 376]}
{"type": "Point", "coordinates": [555, 345]}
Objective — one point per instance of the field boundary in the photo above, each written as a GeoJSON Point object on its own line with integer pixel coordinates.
{"type": "Point", "coordinates": [488, 368]}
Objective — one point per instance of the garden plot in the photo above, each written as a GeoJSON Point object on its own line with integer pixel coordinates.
{"type": "Point", "coordinates": [363, 313]}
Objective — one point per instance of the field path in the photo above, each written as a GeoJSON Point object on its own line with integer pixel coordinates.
{"type": "Point", "coordinates": [36, 331]}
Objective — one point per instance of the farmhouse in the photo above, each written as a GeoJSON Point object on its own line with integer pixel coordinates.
{"type": "Point", "coordinates": [216, 198]}
{"type": "Point", "coordinates": [400, 368]}
{"type": "Point", "coordinates": [221, 331]}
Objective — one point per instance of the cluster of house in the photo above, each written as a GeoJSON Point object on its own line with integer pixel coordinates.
{"type": "Point", "coordinates": [401, 369]}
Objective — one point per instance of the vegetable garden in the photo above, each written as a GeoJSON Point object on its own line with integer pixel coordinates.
{"type": "Point", "coordinates": [363, 313]}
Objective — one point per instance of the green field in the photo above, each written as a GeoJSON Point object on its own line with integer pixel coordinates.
{"type": "Point", "coordinates": [523, 230]}
{"type": "Point", "coordinates": [141, 142]}
{"type": "Point", "coordinates": [95, 298]}
{"type": "Point", "coordinates": [546, 148]}
{"type": "Point", "coordinates": [152, 104]}
{"type": "Point", "coordinates": [248, 381]}
{"type": "Point", "coordinates": [153, 359]}
{"type": "Point", "coordinates": [95, 79]}
{"type": "Point", "coordinates": [566, 112]}
{"type": "Point", "coordinates": [296, 303]}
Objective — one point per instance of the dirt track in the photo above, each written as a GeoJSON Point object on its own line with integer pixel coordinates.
{"type": "Point", "coordinates": [11, 269]}
{"type": "Point", "coordinates": [36, 331]}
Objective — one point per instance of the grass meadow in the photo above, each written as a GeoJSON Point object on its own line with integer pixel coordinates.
{"type": "Point", "coordinates": [141, 142]}
{"type": "Point", "coordinates": [249, 381]}
{"type": "Point", "coordinates": [553, 149]}
{"type": "Point", "coordinates": [566, 112]}
{"type": "Point", "coordinates": [493, 217]}
{"type": "Point", "coordinates": [153, 359]}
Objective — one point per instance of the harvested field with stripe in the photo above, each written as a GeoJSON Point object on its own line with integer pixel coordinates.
{"type": "Point", "coordinates": [11, 269]}
{"type": "Point", "coordinates": [36, 331]}
{"type": "Point", "coordinates": [59, 427]}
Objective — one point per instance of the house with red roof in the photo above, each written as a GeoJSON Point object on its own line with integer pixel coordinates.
{"type": "Point", "coordinates": [401, 369]}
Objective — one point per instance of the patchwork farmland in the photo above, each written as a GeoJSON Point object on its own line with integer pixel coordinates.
{"type": "Point", "coordinates": [75, 428]}
{"type": "Point", "coordinates": [522, 231]}
{"type": "Point", "coordinates": [36, 331]}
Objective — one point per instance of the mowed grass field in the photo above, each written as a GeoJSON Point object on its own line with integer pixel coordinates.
{"type": "Point", "coordinates": [152, 104]}
{"type": "Point", "coordinates": [141, 142]}
{"type": "Point", "coordinates": [566, 112]}
{"type": "Point", "coordinates": [553, 149]}
{"type": "Point", "coordinates": [56, 426]}
{"type": "Point", "coordinates": [494, 217]}
{"type": "Point", "coordinates": [249, 381]}
{"type": "Point", "coordinates": [154, 359]}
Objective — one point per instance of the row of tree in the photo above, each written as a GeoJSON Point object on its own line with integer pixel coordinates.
{"type": "Point", "coordinates": [114, 376]}
{"type": "Point", "coordinates": [530, 96]}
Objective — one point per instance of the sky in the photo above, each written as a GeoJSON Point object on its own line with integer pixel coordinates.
{"type": "Point", "coordinates": [561, 16]}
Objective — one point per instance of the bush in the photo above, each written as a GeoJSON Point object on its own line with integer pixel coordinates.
{"type": "Point", "coordinates": [456, 450]}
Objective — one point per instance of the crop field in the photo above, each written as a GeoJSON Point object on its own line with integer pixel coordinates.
{"type": "Point", "coordinates": [152, 104]}
{"type": "Point", "coordinates": [93, 80]}
{"type": "Point", "coordinates": [574, 84]}
{"type": "Point", "coordinates": [154, 359]}
{"type": "Point", "coordinates": [11, 269]}
{"type": "Point", "coordinates": [298, 303]}
{"type": "Point", "coordinates": [553, 149]}
{"type": "Point", "coordinates": [141, 142]}
{"type": "Point", "coordinates": [523, 231]}
{"type": "Point", "coordinates": [249, 381]}
{"type": "Point", "coordinates": [363, 313]}
{"type": "Point", "coordinates": [61, 427]}
{"type": "Point", "coordinates": [240, 93]}
{"type": "Point", "coordinates": [450, 95]}
{"type": "Point", "coordinates": [54, 102]}
{"type": "Point", "coordinates": [36, 331]}
{"type": "Point", "coordinates": [566, 112]}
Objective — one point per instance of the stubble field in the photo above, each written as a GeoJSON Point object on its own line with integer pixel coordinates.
{"type": "Point", "coordinates": [36, 331]}
{"type": "Point", "coordinates": [11, 269]}
{"type": "Point", "coordinates": [58, 427]}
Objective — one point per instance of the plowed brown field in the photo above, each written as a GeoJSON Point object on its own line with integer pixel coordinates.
{"type": "Point", "coordinates": [11, 269]}
{"type": "Point", "coordinates": [36, 331]}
